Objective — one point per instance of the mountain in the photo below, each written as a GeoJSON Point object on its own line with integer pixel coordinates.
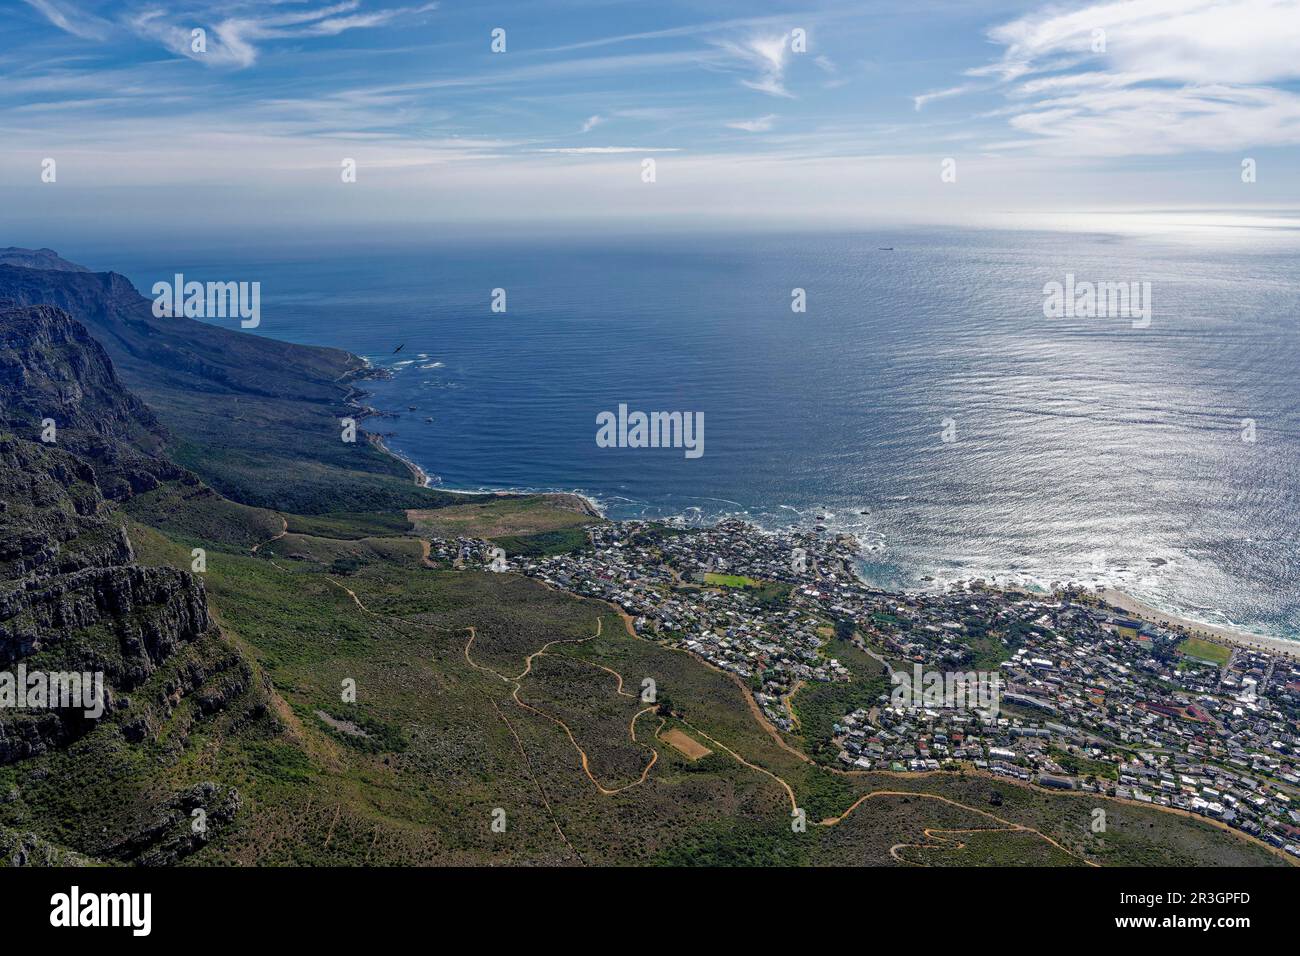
{"type": "Point", "coordinates": [332, 689]}
{"type": "Point", "coordinates": [72, 597]}
{"type": "Point", "coordinates": [38, 259]}
{"type": "Point", "coordinates": [52, 373]}
{"type": "Point", "coordinates": [76, 597]}
{"type": "Point", "coordinates": [257, 419]}
{"type": "Point", "coordinates": [74, 600]}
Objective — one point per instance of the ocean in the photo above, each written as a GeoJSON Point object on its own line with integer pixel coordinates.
{"type": "Point", "coordinates": [923, 401]}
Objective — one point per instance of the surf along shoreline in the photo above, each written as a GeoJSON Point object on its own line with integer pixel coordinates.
{"type": "Point", "coordinates": [1123, 604]}
{"type": "Point", "coordinates": [364, 370]}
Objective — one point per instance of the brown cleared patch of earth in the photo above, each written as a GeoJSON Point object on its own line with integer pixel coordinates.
{"type": "Point", "coordinates": [497, 516]}
{"type": "Point", "coordinates": [684, 744]}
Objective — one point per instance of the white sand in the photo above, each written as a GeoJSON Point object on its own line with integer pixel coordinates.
{"type": "Point", "coordinates": [1212, 632]}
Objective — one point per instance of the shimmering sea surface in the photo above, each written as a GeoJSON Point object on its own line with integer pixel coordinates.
{"type": "Point", "coordinates": [1085, 449]}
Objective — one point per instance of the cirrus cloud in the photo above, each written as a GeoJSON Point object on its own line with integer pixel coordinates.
{"type": "Point", "coordinates": [236, 29]}
{"type": "Point", "coordinates": [760, 125]}
{"type": "Point", "coordinates": [1147, 77]}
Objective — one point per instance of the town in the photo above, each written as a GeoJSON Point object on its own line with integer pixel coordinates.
{"type": "Point", "coordinates": [1090, 699]}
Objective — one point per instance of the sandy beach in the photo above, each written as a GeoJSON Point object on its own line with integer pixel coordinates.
{"type": "Point", "coordinates": [1145, 612]}
{"type": "Point", "coordinates": [421, 477]}
{"type": "Point", "coordinates": [568, 500]}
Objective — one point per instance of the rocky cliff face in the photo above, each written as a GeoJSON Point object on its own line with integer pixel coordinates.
{"type": "Point", "coordinates": [160, 351]}
{"type": "Point", "coordinates": [74, 598]}
{"type": "Point", "coordinates": [149, 611]}
{"type": "Point", "coordinates": [49, 499]}
{"type": "Point", "coordinates": [52, 373]}
{"type": "Point", "coordinates": [248, 412]}
{"type": "Point", "coordinates": [27, 849]}
{"type": "Point", "coordinates": [71, 598]}
{"type": "Point", "coordinates": [66, 561]}
{"type": "Point", "coordinates": [49, 363]}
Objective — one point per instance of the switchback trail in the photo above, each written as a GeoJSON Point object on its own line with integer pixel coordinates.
{"type": "Point", "coordinates": [582, 754]}
{"type": "Point", "coordinates": [940, 842]}
{"type": "Point", "coordinates": [772, 731]}
{"type": "Point", "coordinates": [1007, 825]}
{"type": "Point", "coordinates": [516, 686]}
{"type": "Point", "coordinates": [528, 766]}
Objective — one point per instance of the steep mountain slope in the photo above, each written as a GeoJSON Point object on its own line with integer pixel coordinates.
{"type": "Point", "coordinates": [324, 693]}
{"type": "Point", "coordinates": [257, 419]}
{"type": "Point", "coordinates": [37, 259]}
{"type": "Point", "coordinates": [73, 598]}
{"type": "Point", "coordinates": [145, 653]}
{"type": "Point", "coordinates": [52, 371]}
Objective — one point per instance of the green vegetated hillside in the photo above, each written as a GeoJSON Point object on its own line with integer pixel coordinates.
{"type": "Point", "coordinates": [451, 724]}
{"type": "Point", "coordinates": [257, 419]}
{"type": "Point", "coordinates": [295, 683]}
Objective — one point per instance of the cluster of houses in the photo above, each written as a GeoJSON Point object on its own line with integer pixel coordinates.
{"type": "Point", "coordinates": [1089, 699]}
{"type": "Point", "coordinates": [666, 578]}
{"type": "Point", "coordinates": [1095, 701]}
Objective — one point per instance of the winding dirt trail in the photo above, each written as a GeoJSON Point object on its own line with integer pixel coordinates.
{"type": "Point", "coordinates": [776, 736]}
{"type": "Point", "coordinates": [940, 842]}
{"type": "Point", "coordinates": [794, 802]}
{"type": "Point", "coordinates": [780, 741]}
{"type": "Point", "coordinates": [582, 754]}
{"type": "Point", "coordinates": [788, 701]}
{"type": "Point", "coordinates": [1007, 825]}
{"type": "Point", "coordinates": [528, 766]}
{"type": "Point", "coordinates": [515, 691]}
{"type": "Point", "coordinates": [283, 531]}
{"type": "Point", "coordinates": [662, 721]}
{"type": "Point", "coordinates": [754, 710]}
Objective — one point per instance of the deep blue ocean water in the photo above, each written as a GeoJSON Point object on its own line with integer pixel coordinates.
{"type": "Point", "coordinates": [1085, 449]}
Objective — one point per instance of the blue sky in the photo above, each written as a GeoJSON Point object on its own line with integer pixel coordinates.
{"type": "Point", "coordinates": [1043, 107]}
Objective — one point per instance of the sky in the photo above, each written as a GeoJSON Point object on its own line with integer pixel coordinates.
{"type": "Point", "coordinates": [802, 115]}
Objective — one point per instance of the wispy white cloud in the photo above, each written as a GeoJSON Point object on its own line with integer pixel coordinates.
{"type": "Point", "coordinates": [920, 100]}
{"type": "Point", "coordinates": [428, 115]}
{"type": "Point", "coordinates": [72, 19]}
{"type": "Point", "coordinates": [1146, 77]}
{"type": "Point", "coordinates": [759, 45]}
{"type": "Point", "coordinates": [694, 30]}
{"type": "Point", "coordinates": [1147, 121]}
{"type": "Point", "coordinates": [760, 125]}
{"type": "Point", "coordinates": [532, 74]}
{"type": "Point", "coordinates": [234, 41]}
{"type": "Point", "coordinates": [767, 55]}
{"type": "Point", "coordinates": [1191, 41]}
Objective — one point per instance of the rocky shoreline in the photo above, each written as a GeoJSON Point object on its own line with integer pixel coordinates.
{"type": "Point", "coordinates": [1117, 599]}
